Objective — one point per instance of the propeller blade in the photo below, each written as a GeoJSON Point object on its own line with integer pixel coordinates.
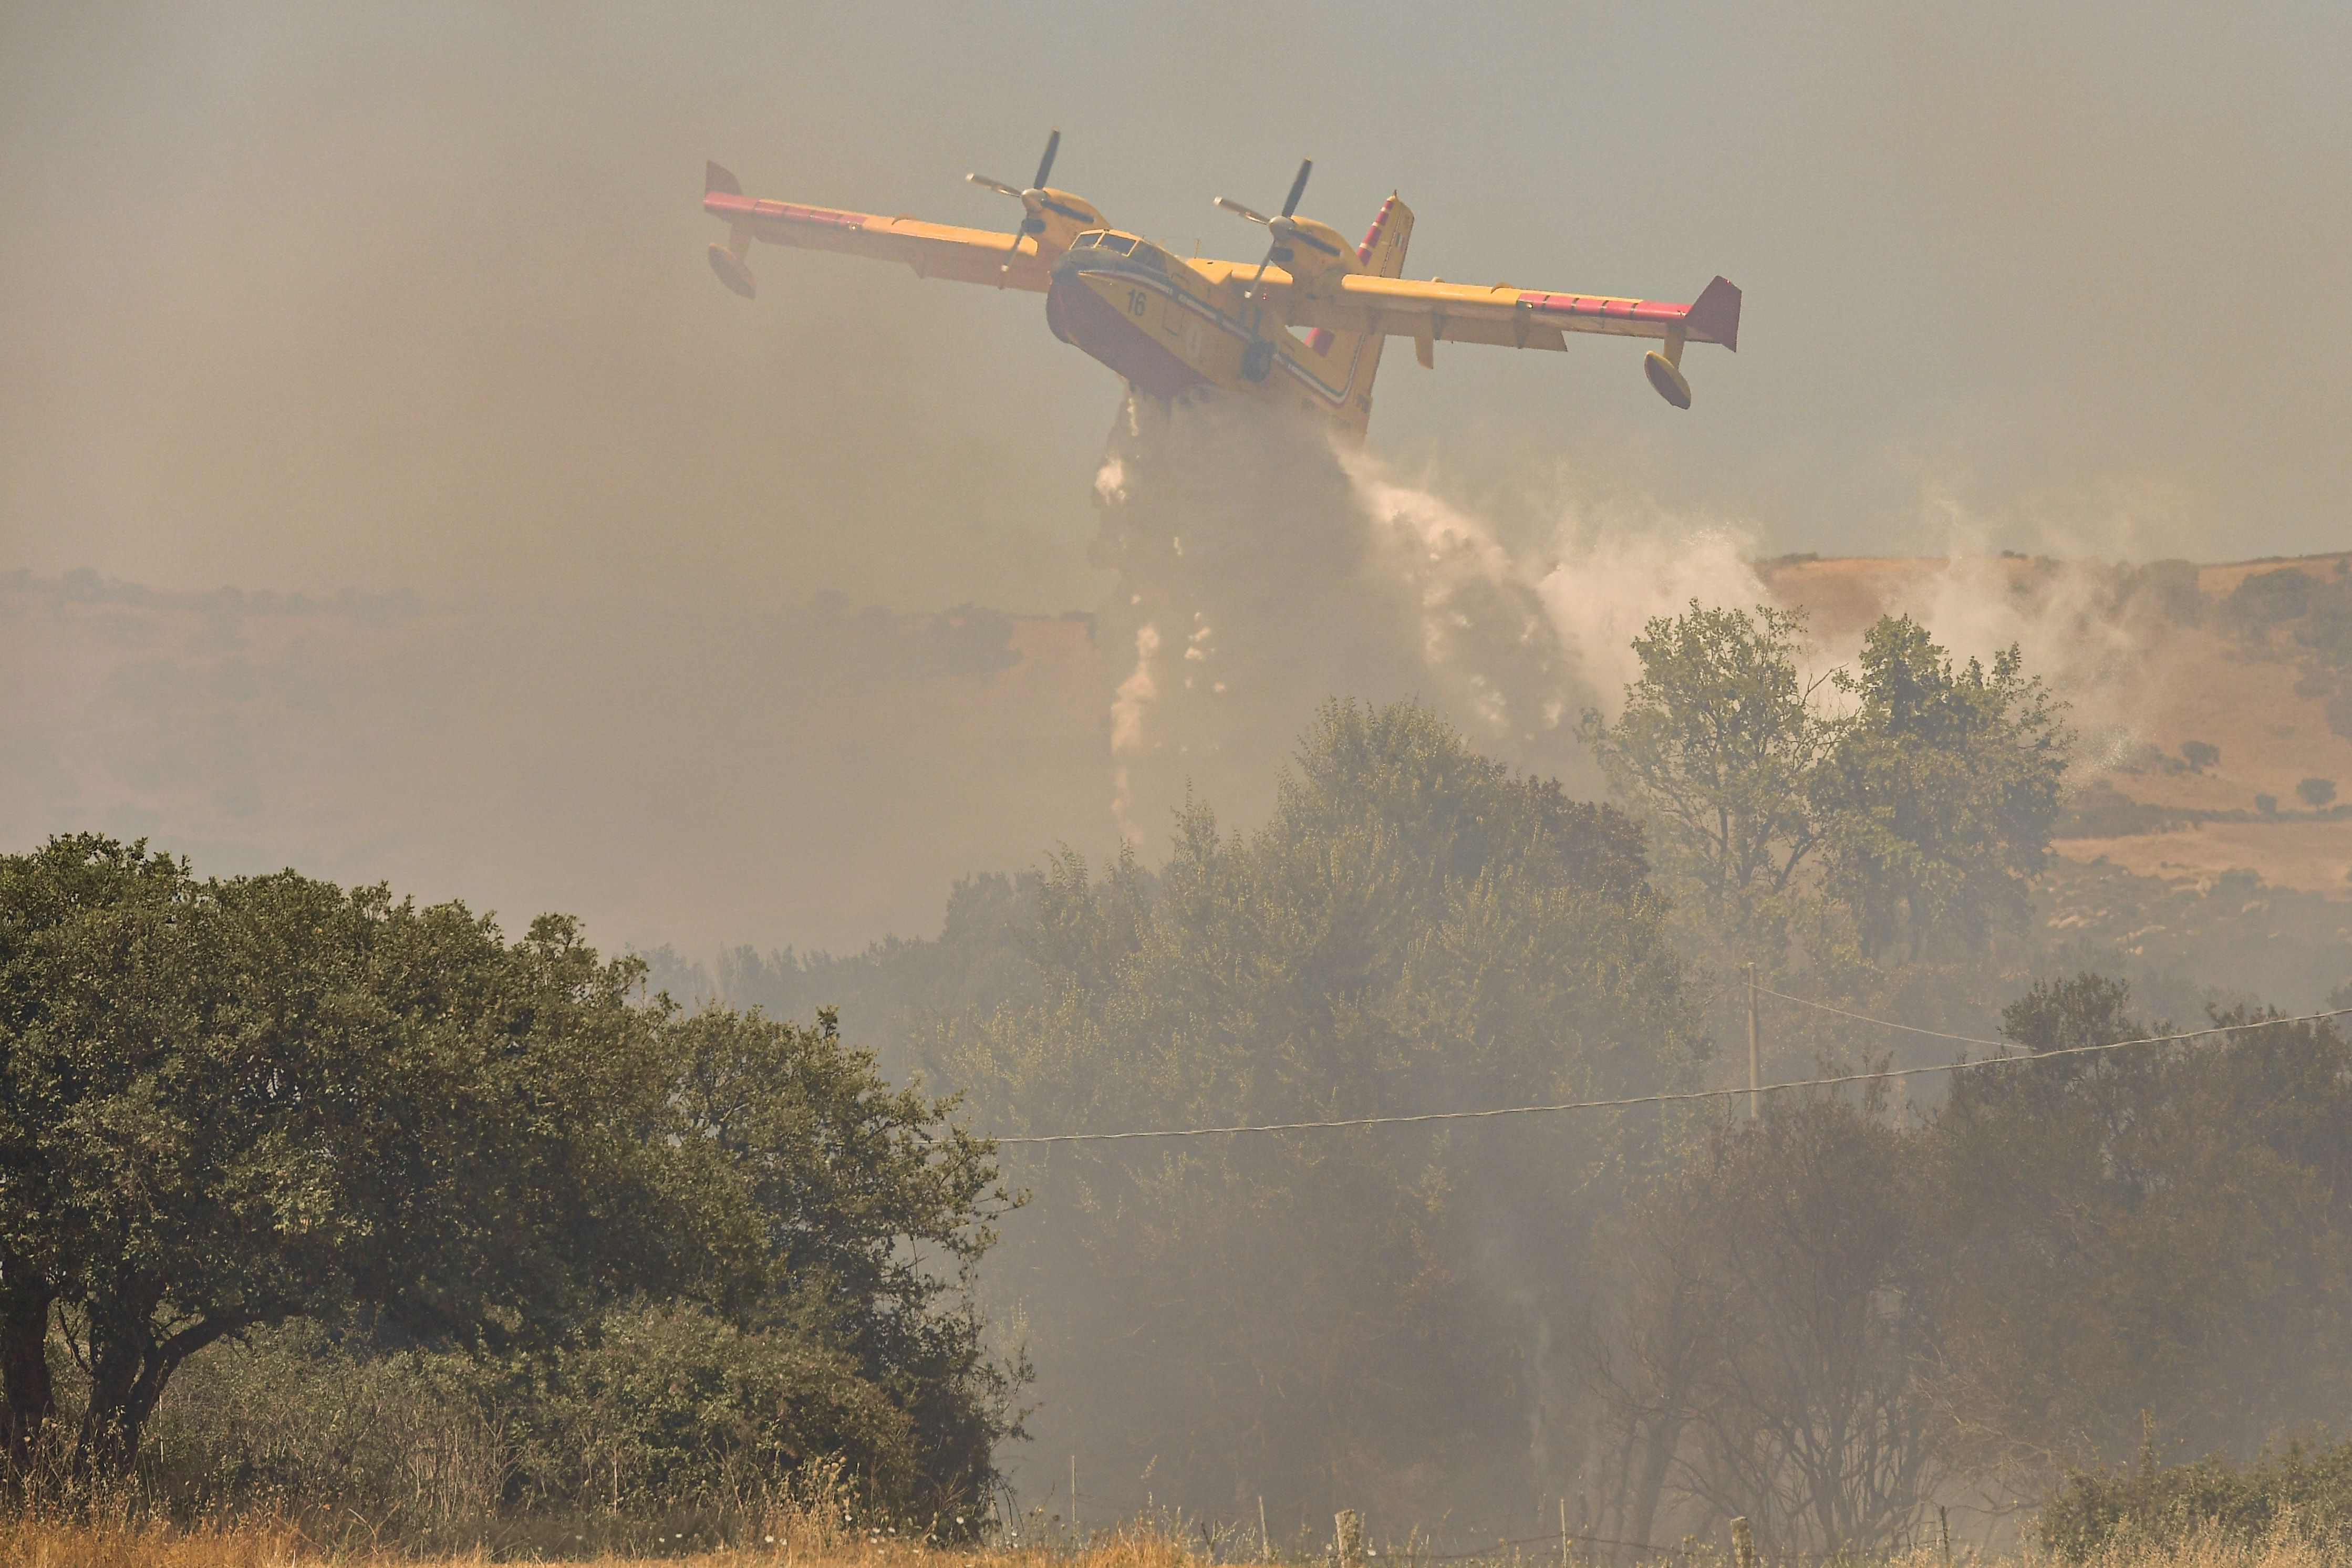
{"type": "Point", "coordinates": [1297, 186]}
{"type": "Point", "coordinates": [1252, 213]}
{"type": "Point", "coordinates": [997, 185]}
{"type": "Point", "coordinates": [1262, 267]}
{"type": "Point", "coordinates": [1046, 164]}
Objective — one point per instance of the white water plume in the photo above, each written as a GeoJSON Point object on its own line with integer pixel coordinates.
{"type": "Point", "coordinates": [2103, 635]}
{"type": "Point", "coordinates": [1262, 571]}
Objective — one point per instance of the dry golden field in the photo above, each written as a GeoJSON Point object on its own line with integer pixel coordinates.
{"type": "Point", "coordinates": [33, 1544]}
{"type": "Point", "coordinates": [2162, 682]}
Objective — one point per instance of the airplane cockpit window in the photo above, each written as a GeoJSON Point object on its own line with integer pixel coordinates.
{"type": "Point", "coordinates": [1151, 256]}
{"type": "Point", "coordinates": [1119, 243]}
{"type": "Point", "coordinates": [1087, 240]}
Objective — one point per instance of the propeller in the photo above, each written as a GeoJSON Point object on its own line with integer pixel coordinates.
{"type": "Point", "coordinates": [1279, 230]}
{"type": "Point", "coordinates": [1031, 224]}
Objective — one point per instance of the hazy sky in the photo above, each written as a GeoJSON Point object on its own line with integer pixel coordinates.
{"type": "Point", "coordinates": [411, 296]}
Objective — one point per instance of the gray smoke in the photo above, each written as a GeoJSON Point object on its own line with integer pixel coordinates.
{"type": "Point", "coordinates": [1262, 571]}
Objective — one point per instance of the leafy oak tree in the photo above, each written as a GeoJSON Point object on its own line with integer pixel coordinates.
{"type": "Point", "coordinates": [1939, 793]}
{"type": "Point", "coordinates": [2156, 1233]}
{"type": "Point", "coordinates": [1779, 1292]}
{"type": "Point", "coordinates": [873, 1210]}
{"type": "Point", "coordinates": [227, 1103]}
{"type": "Point", "coordinates": [1919, 814]}
{"type": "Point", "coordinates": [1718, 748]}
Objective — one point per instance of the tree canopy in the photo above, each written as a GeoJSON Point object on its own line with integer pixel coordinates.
{"type": "Point", "coordinates": [224, 1103]}
{"type": "Point", "coordinates": [1919, 811]}
{"type": "Point", "coordinates": [1939, 792]}
{"type": "Point", "coordinates": [1719, 746]}
{"type": "Point", "coordinates": [1415, 929]}
{"type": "Point", "coordinates": [1828, 1314]}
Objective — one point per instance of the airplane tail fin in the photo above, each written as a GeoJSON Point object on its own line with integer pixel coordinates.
{"type": "Point", "coordinates": [731, 261]}
{"type": "Point", "coordinates": [1714, 316]}
{"type": "Point", "coordinates": [1383, 252]}
{"type": "Point", "coordinates": [1357, 355]}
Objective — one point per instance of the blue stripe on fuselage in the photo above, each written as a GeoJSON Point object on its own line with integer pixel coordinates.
{"type": "Point", "coordinates": [1128, 270]}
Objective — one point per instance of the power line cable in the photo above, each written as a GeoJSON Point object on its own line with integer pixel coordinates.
{"type": "Point", "coordinates": [1677, 1096]}
{"type": "Point", "coordinates": [1915, 1029]}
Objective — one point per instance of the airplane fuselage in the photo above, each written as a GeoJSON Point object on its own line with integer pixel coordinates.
{"type": "Point", "coordinates": [1168, 325]}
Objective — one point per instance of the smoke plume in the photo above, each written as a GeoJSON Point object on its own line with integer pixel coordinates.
{"type": "Point", "coordinates": [1262, 570]}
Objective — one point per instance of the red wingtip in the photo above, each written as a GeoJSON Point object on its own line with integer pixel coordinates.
{"type": "Point", "coordinates": [715, 178]}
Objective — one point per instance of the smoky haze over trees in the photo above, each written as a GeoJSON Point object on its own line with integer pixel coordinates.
{"type": "Point", "coordinates": [267, 1139]}
{"type": "Point", "coordinates": [1656, 1319]}
{"type": "Point", "coordinates": [1317, 1319]}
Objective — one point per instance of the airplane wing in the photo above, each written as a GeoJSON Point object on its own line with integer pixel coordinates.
{"type": "Point", "coordinates": [933, 250]}
{"type": "Point", "coordinates": [1429, 312]}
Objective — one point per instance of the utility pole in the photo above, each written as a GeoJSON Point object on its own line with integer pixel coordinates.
{"type": "Point", "coordinates": [1753, 1096]}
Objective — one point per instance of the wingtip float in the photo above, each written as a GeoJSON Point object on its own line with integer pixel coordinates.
{"type": "Point", "coordinates": [1169, 324]}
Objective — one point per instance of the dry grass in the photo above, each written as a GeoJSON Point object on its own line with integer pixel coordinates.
{"type": "Point", "coordinates": [2306, 856]}
{"type": "Point", "coordinates": [35, 1544]}
{"type": "Point", "coordinates": [38, 1543]}
{"type": "Point", "coordinates": [2283, 1549]}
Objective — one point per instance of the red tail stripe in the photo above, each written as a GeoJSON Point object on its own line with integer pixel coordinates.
{"type": "Point", "coordinates": [1380, 219]}
{"type": "Point", "coordinates": [1600, 304]}
{"type": "Point", "coordinates": [721, 203]}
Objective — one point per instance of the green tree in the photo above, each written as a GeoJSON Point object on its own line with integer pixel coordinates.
{"type": "Point", "coordinates": [227, 1103]}
{"type": "Point", "coordinates": [2153, 1232]}
{"type": "Point", "coordinates": [1415, 929]}
{"type": "Point", "coordinates": [875, 1210]}
{"type": "Point", "coordinates": [1716, 749]}
{"type": "Point", "coordinates": [1938, 795]}
{"type": "Point", "coordinates": [1781, 1290]}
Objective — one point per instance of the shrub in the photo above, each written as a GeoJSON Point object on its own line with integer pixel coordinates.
{"type": "Point", "coordinates": [667, 1412]}
{"type": "Point", "coordinates": [2267, 597]}
{"type": "Point", "coordinates": [2309, 1491]}
{"type": "Point", "coordinates": [673, 1409]}
{"type": "Point", "coordinates": [315, 1425]}
{"type": "Point", "coordinates": [2317, 792]}
{"type": "Point", "coordinates": [2266, 804]}
{"type": "Point", "coordinates": [2201, 754]}
{"type": "Point", "coordinates": [2104, 811]}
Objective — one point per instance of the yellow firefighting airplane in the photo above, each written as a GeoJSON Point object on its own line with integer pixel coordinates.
{"type": "Point", "coordinates": [1169, 324]}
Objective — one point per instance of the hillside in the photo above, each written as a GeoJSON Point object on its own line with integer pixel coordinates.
{"type": "Point", "coordinates": [2191, 658]}
{"type": "Point", "coordinates": [817, 774]}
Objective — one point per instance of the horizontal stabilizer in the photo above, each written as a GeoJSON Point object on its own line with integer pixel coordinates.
{"type": "Point", "coordinates": [732, 271]}
{"type": "Point", "coordinates": [1714, 316]}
